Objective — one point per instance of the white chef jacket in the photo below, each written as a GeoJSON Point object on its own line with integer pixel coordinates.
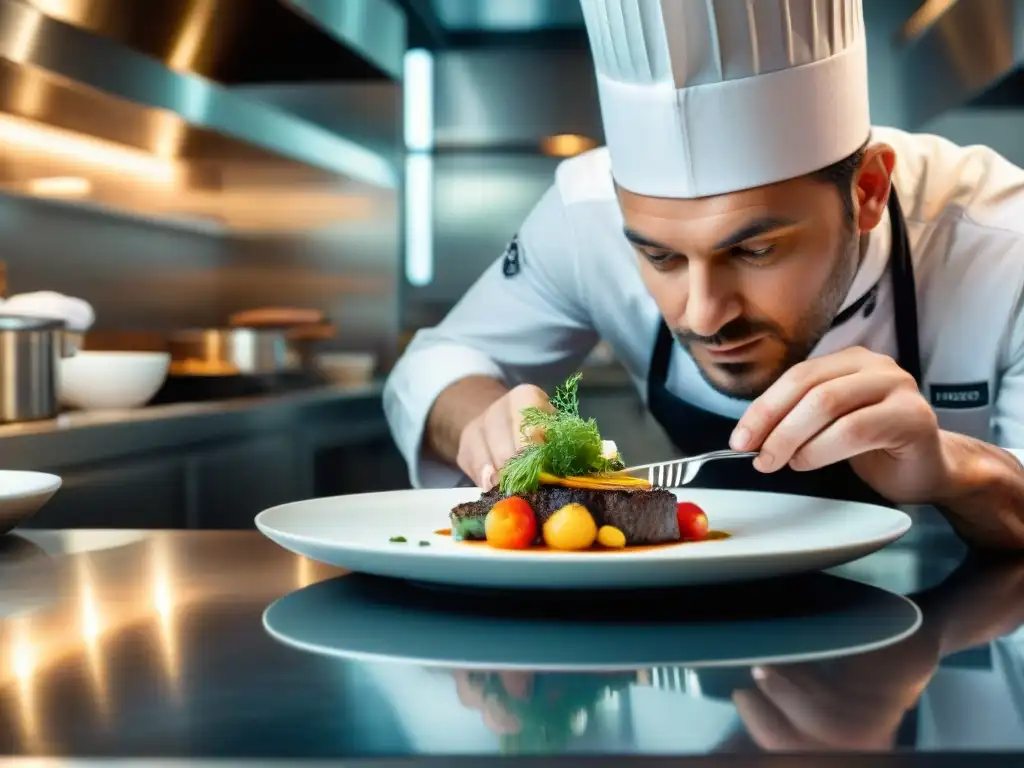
{"type": "Point", "coordinates": [578, 282]}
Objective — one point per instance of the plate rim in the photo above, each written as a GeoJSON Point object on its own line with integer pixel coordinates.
{"type": "Point", "coordinates": [478, 666]}
{"type": "Point", "coordinates": [902, 523]}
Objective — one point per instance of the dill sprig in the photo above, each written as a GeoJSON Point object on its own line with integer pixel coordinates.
{"type": "Point", "coordinates": [571, 445]}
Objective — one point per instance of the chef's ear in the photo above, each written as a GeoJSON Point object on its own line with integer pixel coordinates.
{"type": "Point", "coordinates": [874, 180]}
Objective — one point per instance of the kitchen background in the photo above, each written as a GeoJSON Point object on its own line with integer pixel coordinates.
{"type": "Point", "coordinates": [175, 161]}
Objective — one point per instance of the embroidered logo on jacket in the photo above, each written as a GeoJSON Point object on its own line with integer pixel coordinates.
{"type": "Point", "coordinates": [960, 396]}
{"type": "Point", "coordinates": [511, 262]}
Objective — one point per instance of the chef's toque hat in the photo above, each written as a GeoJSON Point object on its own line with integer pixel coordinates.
{"type": "Point", "coordinates": [703, 97]}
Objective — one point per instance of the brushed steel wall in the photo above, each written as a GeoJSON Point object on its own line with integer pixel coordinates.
{"type": "Point", "coordinates": [494, 98]}
{"type": "Point", "coordinates": [480, 200]}
{"type": "Point", "coordinates": [148, 277]}
{"type": "Point", "coordinates": [139, 276]}
{"type": "Point", "coordinates": [492, 109]}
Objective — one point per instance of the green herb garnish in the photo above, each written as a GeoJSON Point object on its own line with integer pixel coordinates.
{"type": "Point", "coordinates": [424, 543]}
{"type": "Point", "coordinates": [398, 539]}
{"type": "Point", "coordinates": [571, 446]}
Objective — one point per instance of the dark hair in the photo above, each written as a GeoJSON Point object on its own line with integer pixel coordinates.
{"type": "Point", "coordinates": [840, 174]}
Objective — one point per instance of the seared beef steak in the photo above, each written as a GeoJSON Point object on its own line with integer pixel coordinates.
{"type": "Point", "coordinates": [643, 516]}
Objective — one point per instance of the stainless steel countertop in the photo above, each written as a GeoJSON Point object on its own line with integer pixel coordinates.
{"type": "Point", "coordinates": [74, 420]}
{"type": "Point", "coordinates": [79, 438]}
{"type": "Point", "coordinates": [131, 645]}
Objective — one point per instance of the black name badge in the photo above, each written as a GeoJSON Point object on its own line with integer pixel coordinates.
{"type": "Point", "coordinates": [960, 395]}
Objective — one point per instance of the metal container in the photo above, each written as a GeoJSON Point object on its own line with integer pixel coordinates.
{"type": "Point", "coordinates": [30, 353]}
{"type": "Point", "coordinates": [234, 352]}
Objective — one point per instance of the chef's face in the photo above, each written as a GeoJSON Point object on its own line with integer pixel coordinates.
{"type": "Point", "coordinates": [751, 281]}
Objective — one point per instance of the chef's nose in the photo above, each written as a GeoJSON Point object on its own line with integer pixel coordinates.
{"type": "Point", "coordinates": [710, 301]}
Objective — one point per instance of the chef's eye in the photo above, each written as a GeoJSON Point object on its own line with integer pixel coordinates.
{"type": "Point", "coordinates": [755, 254]}
{"type": "Point", "coordinates": [660, 259]}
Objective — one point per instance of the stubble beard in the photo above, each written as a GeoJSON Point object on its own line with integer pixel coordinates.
{"type": "Point", "coordinates": [743, 380]}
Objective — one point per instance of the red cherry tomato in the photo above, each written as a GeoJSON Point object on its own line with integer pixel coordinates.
{"type": "Point", "coordinates": [693, 523]}
{"type": "Point", "coordinates": [510, 524]}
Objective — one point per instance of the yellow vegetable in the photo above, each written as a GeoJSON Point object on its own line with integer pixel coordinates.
{"type": "Point", "coordinates": [611, 537]}
{"type": "Point", "coordinates": [571, 527]}
{"type": "Point", "coordinates": [597, 482]}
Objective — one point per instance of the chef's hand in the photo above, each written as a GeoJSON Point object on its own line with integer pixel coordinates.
{"type": "Point", "coordinates": [856, 405]}
{"type": "Point", "coordinates": [495, 716]}
{"type": "Point", "coordinates": [853, 705]}
{"type": "Point", "coordinates": [493, 437]}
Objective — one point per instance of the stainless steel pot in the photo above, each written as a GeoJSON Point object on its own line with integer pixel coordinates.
{"type": "Point", "coordinates": [30, 353]}
{"type": "Point", "coordinates": [233, 352]}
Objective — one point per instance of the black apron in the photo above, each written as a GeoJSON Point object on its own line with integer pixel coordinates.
{"type": "Point", "coordinates": [694, 430]}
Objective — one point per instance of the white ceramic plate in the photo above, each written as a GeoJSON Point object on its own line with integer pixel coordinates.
{"type": "Point", "coordinates": [771, 535]}
{"type": "Point", "coordinates": [22, 494]}
{"type": "Point", "coordinates": [807, 618]}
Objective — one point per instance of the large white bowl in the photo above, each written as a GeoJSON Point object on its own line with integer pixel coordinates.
{"type": "Point", "coordinates": [22, 494]}
{"type": "Point", "coordinates": [111, 380]}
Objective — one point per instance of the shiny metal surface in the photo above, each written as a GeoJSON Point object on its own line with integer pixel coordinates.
{"type": "Point", "coordinates": [507, 15]}
{"type": "Point", "coordinates": [132, 645]}
{"type": "Point", "coordinates": [513, 99]}
{"type": "Point", "coordinates": [144, 277]}
{"type": "Point", "coordinates": [956, 51]}
{"type": "Point", "coordinates": [374, 28]}
{"type": "Point", "coordinates": [232, 351]}
{"type": "Point", "coordinates": [228, 40]}
{"type": "Point", "coordinates": [30, 37]}
{"type": "Point", "coordinates": [678, 472]}
{"type": "Point", "coordinates": [30, 350]}
{"type": "Point", "coordinates": [493, 110]}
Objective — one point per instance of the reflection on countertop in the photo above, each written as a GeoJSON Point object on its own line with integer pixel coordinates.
{"type": "Point", "coordinates": [154, 645]}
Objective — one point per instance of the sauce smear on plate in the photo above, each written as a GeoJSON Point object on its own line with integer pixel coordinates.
{"type": "Point", "coordinates": [712, 536]}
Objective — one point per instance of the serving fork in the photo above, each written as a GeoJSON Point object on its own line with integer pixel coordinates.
{"type": "Point", "coordinates": [678, 472]}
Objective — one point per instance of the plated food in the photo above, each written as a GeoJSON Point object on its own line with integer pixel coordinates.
{"type": "Point", "coordinates": [564, 490]}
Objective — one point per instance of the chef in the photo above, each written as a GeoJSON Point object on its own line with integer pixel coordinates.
{"type": "Point", "coordinates": [776, 274]}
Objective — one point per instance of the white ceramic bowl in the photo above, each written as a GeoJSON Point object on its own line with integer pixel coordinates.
{"type": "Point", "coordinates": [111, 380]}
{"type": "Point", "coordinates": [22, 494]}
{"type": "Point", "coordinates": [347, 368]}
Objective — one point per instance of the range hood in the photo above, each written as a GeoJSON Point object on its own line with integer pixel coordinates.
{"type": "Point", "coordinates": [250, 41]}
{"type": "Point", "coordinates": [962, 54]}
{"type": "Point", "coordinates": [157, 75]}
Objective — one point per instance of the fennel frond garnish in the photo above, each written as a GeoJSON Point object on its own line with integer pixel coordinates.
{"type": "Point", "coordinates": [571, 445]}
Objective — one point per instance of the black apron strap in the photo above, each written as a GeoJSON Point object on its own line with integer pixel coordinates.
{"type": "Point", "coordinates": [904, 292]}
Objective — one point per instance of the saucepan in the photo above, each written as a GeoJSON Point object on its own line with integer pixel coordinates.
{"type": "Point", "coordinates": [232, 352]}
{"type": "Point", "coordinates": [30, 353]}
{"type": "Point", "coordinates": [256, 342]}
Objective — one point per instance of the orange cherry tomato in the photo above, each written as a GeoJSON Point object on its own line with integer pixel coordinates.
{"type": "Point", "coordinates": [693, 523]}
{"type": "Point", "coordinates": [511, 524]}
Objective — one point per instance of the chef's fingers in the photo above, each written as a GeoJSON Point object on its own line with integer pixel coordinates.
{"type": "Point", "coordinates": [821, 406]}
{"type": "Point", "coordinates": [474, 457]}
{"type": "Point", "coordinates": [817, 712]}
{"type": "Point", "coordinates": [518, 685]}
{"type": "Point", "coordinates": [494, 437]}
{"type": "Point", "coordinates": [498, 719]}
{"type": "Point", "coordinates": [500, 432]}
{"type": "Point", "coordinates": [768, 726]}
{"type": "Point", "coordinates": [470, 694]}
{"type": "Point", "coordinates": [885, 425]}
{"type": "Point", "coordinates": [779, 399]}
{"type": "Point", "coordinates": [520, 398]}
